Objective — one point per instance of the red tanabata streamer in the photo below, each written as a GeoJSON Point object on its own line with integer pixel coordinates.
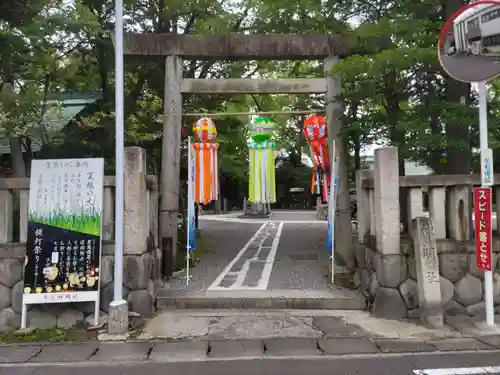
{"type": "Point", "coordinates": [316, 133]}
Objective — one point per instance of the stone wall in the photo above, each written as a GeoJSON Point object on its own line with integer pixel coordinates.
{"type": "Point", "coordinates": [141, 277]}
{"type": "Point", "coordinates": [389, 283]}
{"type": "Point", "coordinates": [384, 254]}
{"type": "Point", "coordinates": [142, 260]}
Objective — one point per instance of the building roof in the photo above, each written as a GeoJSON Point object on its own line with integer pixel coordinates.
{"type": "Point", "coordinates": [72, 104]}
{"type": "Point", "coordinates": [474, 12]}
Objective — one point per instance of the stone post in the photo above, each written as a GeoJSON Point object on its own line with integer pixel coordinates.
{"type": "Point", "coordinates": [135, 207]}
{"type": "Point", "coordinates": [137, 262]}
{"type": "Point", "coordinates": [373, 219]}
{"type": "Point", "coordinates": [390, 265]}
{"type": "Point", "coordinates": [427, 266]}
{"type": "Point", "coordinates": [24, 197]}
{"type": "Point", "coordinates": [458, 213]}
{"type": "Point", "coordinates": [437, 210]}
{"type": "Point", "coordinates": [170, 165]}
{"type": "Point", "coordinates": [6, 218]}
{"type": "Point", "coordinates": [108, 215]}
{"type": "Point", "coordinates": [415, 206]}
{"type": "Point", "coordinates": [153, 208]}
{"type": "Point", "coordinates": [334, 114]}
{"type": "Point", "coordinates": [217, 206]}
{"type": "Point", "coordinates": [386, 183]}
{"type": "Point", "coordinates": [363, 204]}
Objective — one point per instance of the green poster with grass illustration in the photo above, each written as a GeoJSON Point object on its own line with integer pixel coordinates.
{"type": "Point", "coordinates": [64, 229]}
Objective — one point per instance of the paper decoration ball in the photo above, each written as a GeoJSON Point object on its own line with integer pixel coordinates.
{"type": "Point", "coordinates": [204, 130]}
{"type": "Point", "coordinates": [262, 129]}
{"type": "Point", "coordinates": [315, 128]}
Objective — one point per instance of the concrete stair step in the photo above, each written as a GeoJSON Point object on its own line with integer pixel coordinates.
{"type": "Point", "coordinates": [341, 299]}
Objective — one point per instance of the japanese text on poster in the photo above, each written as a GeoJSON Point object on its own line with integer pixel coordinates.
{"type": "Point", "coordinates": [64, 230]}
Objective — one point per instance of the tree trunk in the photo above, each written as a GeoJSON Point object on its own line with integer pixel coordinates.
{"type": "Point", "coordinates": [357, 155]}
{"type": "Point", "coordinates": [458, 150]}
{"type": "Point", "coordinates": [17, 159]}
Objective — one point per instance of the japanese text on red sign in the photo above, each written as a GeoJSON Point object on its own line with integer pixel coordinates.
{"type": "Point", "coordinates": [482, 217]}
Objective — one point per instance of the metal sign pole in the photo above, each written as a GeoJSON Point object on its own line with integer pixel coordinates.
{"type": "Point", "coordinates": [486, 181]}
{"type": "Point", "coordinates": [118, 308]}
{"type": "Point", "coordinates": [119, 145]}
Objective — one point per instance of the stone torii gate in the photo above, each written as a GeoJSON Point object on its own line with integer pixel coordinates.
{"type": "Point", "coordinates": [176, 48]}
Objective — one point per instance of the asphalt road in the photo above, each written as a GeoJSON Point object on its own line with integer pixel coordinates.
{"type": "Point", "coordinates": [471, 68]}
{"type": "Point", "coordinates": [400, 364]}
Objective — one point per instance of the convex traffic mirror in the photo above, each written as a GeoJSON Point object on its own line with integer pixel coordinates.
{"type": "Point", "coordinates": [469, 43]}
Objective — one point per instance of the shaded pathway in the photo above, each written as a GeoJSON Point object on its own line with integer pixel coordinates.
{"type": "Point", "coordinates": [281, 262]}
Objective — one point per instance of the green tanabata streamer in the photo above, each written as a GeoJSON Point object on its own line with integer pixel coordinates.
{"type": "Point", "coordinates": [262, 181]}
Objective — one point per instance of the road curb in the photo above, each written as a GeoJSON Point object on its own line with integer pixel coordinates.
{"type": "Point", "coordinates": [326, 357]}
{"type": "Point", "coordinates": [118, 353]}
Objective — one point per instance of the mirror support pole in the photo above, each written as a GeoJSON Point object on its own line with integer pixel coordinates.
{"type": "Point", "coordinates": [485, 182]}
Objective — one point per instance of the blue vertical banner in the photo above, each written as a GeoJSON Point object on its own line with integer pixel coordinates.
{"type": "Point", "coordinates": [332, 205]}
{"type": "Point", "coordinates": [191, 225]}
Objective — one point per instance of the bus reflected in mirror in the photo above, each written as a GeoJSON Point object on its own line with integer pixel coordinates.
{"type": "Point", "coordinates": [469, 44]}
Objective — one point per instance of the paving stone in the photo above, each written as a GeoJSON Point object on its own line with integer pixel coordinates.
{"type": "Point", "coordinates": [137, 351]}
{"type": "Point", "coordinates": [493, 340]}
{"type": "Point", "coordinates": [236, 348]}
{"type": "Point", "coordinates": [189, 350]}
{"type": "Point", "coordinates": [347, 346]}
{"type": "Point", "coordinates": [18, 353]}
{"type": "Point", "coordinates": [334, 327]}
{"type": "Point", "coordinates": [459, 344]}
{"type": "Point", "coordinates": [400, 346]}
{"type": "Point", "coordinates": [66, 352]}
{"type": "Point", "coordinates": [468, 326]}
{"type": "Point", "coordinates": [291, 346]}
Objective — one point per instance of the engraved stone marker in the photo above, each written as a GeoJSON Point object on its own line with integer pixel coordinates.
{"type": "Point", "coordinates": [429, 288]}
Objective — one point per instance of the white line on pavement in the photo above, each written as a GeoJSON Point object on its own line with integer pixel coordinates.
{"type": "Point", "coordinates": [459, 371]}
{"type": "Point", "coordinates": [268, 267]}
{"type": "Point", "coordinates": [268, 263]}
{"type": "Point", "coordinates": [215, 284]}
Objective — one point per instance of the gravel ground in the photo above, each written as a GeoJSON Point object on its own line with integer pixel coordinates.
{"type": "Point", "coordinates": [301, 261]}
{"type": "Point", "coordinates": [224, 240]}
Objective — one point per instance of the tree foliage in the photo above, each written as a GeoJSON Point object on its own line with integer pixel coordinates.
{"type": "Point", "coordinates": [394, 91]}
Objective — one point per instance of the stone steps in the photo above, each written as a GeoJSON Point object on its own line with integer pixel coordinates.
{"type": "Point", "coordinates": [341, 299]}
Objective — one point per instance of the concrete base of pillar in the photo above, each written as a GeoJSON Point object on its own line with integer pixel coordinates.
{"type": "Point", "coordinates": [118, 318]}
{"type": "Point", "coordinates": [254, 210]}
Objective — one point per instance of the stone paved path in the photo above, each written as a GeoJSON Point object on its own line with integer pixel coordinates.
{"type": "Point", "coordinates": [286, 252]}
{"type": "Point", "coordinates": [205, 335]}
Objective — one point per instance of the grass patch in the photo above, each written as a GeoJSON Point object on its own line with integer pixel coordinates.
{"type": "Point", "coordinates": [201, 247]}
{"type": "Point", "coordinates": [89, 223]}
{"type": "Point", "coordinates": [47, 336]}
{"type": "Point", "coordinates": [345, 280]}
